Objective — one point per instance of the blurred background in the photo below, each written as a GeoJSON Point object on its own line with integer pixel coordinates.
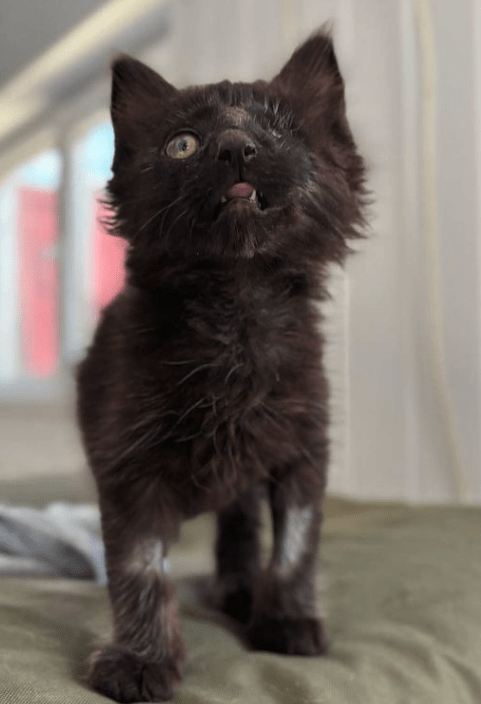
{"type": "Point", "coordinates": [404, 322]}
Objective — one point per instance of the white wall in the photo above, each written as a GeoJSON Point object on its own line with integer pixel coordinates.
{"type": "Point", "coordinates": [459, 195]}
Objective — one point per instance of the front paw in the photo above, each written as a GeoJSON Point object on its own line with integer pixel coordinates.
{"type": "Point", "coordinates": [291, 636]}
{"type": "Point", "coordinates": [120, 674]}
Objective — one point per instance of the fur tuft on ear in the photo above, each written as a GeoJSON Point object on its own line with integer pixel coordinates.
{"type": "Point", "coordinates": [313, 60]}
{"type": "Point", "coordinates": [137, 93]}
{"type": "Point", "coordinates": [312, 83]}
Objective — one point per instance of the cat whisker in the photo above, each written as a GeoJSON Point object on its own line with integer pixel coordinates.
{"type": "Point", "coordinates": [175, 222]}
{"type": "Point", "coordinates": [149, 220]}
{"type": "Point", "coordinates": [189, 410]}
{"type": "Point", "coordinates": [194, 371]}
{"type": "Point", "coordinates": [159, 212]}
{"type": "Point", "coordinates": [143, 421]}
{"type": "Point", "coordinates": [188, 437]}
{"type": "Point", "coordinates": [197, 483]}
{"type": "Point", "coordinates": [234, 369]}
{"type": "Point", "coordinates": [184, 361]}
{"type": "Point", "coordinates": [214, 441]}
{"type": "Point", "coordinates": [168, 208]}
{"type": "Point", "coordinates": [143, 441]}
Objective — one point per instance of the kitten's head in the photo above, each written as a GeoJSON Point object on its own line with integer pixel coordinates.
{"type": "Point", "coordinates": [234, 171]}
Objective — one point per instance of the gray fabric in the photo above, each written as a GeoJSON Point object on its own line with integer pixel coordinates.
{"type": "Point", "coordinates": [60, 540]}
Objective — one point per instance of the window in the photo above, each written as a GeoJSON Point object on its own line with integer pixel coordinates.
{"type": "Point", "coordinates": [54, 280]}
{"type": "Point", "coordinates": [29, 269]}
{"type": "Point", "coordinates": [105, 255]}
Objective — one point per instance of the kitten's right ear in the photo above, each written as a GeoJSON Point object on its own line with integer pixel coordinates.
{"type": "Point", "coordinates": [312, 83]}
{"type": "Point", "coordinates": [138, 94]}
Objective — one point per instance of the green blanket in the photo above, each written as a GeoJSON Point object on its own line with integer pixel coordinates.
{"type": "Point", "coordinates": [401, 591]}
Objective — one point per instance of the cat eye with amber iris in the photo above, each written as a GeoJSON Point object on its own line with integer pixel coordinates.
{"type": "Point", "coordinates": [182, 146]}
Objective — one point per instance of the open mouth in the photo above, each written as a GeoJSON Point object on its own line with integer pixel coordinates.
{"type": "Point", "coordinates": [244, 192]}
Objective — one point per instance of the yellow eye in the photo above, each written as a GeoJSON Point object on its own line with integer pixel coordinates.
{"type": "Point", "coordinates": [182, 146]}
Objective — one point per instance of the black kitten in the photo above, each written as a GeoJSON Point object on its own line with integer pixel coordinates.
{"type": "Point", "coordinates": [204, 385]}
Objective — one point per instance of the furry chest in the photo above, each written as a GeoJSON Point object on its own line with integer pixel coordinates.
{"type": "Point", "coordinates": [232, 428]}
{"type": "Point", "coordinates": [234, 389]}
{"type": "Point", "coordinates": [225, 449]}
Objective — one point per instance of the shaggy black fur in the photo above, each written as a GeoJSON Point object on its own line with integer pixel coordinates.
{"type": "Point", "coordinates": [204, 385]}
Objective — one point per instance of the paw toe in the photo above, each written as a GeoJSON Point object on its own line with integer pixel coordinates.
{"type": "Point", "coordinates": [303, 636]}
{"type": "Point", "coordinates": [122, 675]}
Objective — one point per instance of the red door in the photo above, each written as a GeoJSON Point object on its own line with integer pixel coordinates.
{"type": "Point", "coordinates": [38, 232]}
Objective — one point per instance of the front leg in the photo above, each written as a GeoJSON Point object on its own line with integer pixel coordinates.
{"type": "Point", "coordinates": [237, 555]}
{"type": "Point", "coordinates": [285, 616]}
{"type": "Point", "coordinates": [143, 662]}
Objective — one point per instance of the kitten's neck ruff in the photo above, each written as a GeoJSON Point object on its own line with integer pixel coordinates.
{"type": "Point", "coordinates": [234, 278]}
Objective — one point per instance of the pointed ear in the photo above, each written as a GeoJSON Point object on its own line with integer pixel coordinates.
{"type": "Point", "coordinates": [312, 83]}
{"type": "Point", "coordinates": [138, 94]}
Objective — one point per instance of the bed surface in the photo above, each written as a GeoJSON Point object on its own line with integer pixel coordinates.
{"type": "Point", "coordinates": [401, 593]}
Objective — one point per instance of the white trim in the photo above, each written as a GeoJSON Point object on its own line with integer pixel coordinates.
{"type": "Point", "coordinates": [31, 145]}
{"type": "Point", "coordinates": [335, 329]}
{"type": "Point", "coordinates": [476, 488]}
{"type": "Point", "coordinates": [9, 290]}
{"type": "Point", "coordinates": [459, 243]}
{"type": "Point", "coordinates": [410, 244]}
{"type": "Point", "coordinates": [77, 318]}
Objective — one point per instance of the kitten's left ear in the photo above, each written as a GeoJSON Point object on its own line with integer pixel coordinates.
{"type": "Point", "coordinates": [312, 83]}
{"type": "Point", "coordinates": [138, 97]}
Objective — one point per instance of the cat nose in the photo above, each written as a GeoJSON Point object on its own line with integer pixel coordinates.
{"type": "Point", "coordinates": [235, 147]}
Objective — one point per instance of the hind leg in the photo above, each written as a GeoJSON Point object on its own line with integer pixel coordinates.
{"type": "Point", "coordinates": [237, 555]}
{"type": "Point", "coordinates": [285, 618]}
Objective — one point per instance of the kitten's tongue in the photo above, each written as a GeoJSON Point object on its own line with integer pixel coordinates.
{"type": "Point", "coordinates": [240, 190]}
